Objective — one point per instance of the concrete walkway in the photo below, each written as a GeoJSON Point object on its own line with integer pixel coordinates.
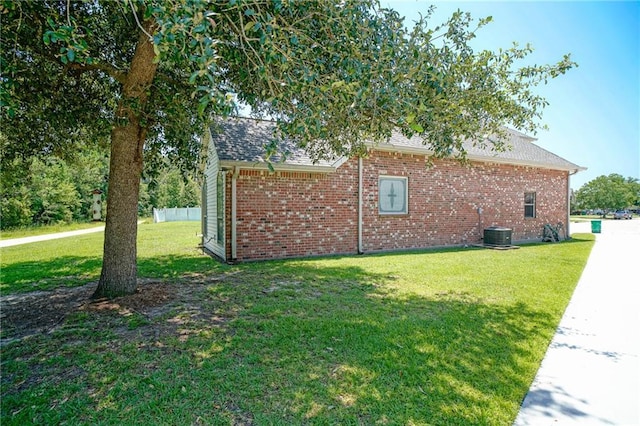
{"type": "Point", "coordinates": [590, 374]}
{"type": "Point", "coordinates": [36, 238]}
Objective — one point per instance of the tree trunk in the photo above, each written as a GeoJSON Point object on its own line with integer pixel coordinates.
{"type": "Point", "coordinates": [119, 268]}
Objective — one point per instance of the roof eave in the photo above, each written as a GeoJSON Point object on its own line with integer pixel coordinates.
{"type": "Point", "coordinates": [387, 147]}
{"type": "Point", "coordinates": [491, 159]}
{"type": "Point", "coordinates": [277, 167]}
{"type": "Point", "coordinates": [480, 158]}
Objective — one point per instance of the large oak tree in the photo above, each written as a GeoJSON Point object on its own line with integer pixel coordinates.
{"type": "Point", "coordinates": [149, 74]}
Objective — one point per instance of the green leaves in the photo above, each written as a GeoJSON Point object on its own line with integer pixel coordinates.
{"type": "Point", "coordinates": [342, 74]}
{"type": "Point", "coordinates": [72, 38]}
{"type": "Point", "coordinates": [337, 74]}
{"type": "Point", "coordinates": [416, 127]}
{"type": "Point", "coordinates": [251, 25]}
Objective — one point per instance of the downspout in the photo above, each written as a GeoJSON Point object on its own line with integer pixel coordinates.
{"type": "Point", "coordinates": [360, 247]}
{"type": "Point", "coordinates": [234, 213]}
{"type": "Point", "coordinates": [203, 210]}
{"type": "Point", "coordinates": [567, 228]}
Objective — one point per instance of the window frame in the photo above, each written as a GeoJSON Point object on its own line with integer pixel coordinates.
{"type": "Point", "coordinates": [531, 205]}
{"type": "Point", "coordinates": [205, 207]}
{"type": "Point", "coordinates": [404, 180]}
{"type": "Point", "coordinates": [220, 198]}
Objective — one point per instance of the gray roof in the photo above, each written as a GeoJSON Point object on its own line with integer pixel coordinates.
{"type": "Point", "coordinates": [520, 150]}
{"type": "Point", "coordinates": [242, 141]}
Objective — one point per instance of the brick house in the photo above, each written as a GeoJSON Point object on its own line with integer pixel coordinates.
{"type": "Point", "coordinates": [389, 200]}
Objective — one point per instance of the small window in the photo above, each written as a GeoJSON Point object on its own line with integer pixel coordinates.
{"type": "Point", "coordinates": [392, 195]}
{"type": "Point", "coordinates": [529, 204]}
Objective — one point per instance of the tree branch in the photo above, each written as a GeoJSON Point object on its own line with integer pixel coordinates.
{"type": "Point", "coordinates": [118, 75]}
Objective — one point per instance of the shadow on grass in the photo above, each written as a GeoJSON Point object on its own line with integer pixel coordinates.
{"type": "Point", "coordinates": [27, 276]}
{"type": "Point", "coordinates": [290, 343]}
{"type": "Point", "coordinates": [64, 271]}
{"type": "Point", "coordinates": [575, 239]}
{"type": "Point", "coordinates": [287, 342]}
{"type": "Point", "coordinates": [71, 271]}
{"type": "Point", "coordinates": [334, 345]}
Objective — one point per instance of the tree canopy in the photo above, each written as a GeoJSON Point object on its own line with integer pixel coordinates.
{"type": "Point", "coordinates": [147, 75]}
{"type": "Point", "coordinates": [612, 192]}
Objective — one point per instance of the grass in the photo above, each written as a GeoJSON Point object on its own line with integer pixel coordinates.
{"type": "Point", "coordinates": [165, 251]}
{"type": "Point", "coordinates": [46, 229]}
{"type": "Point", "coordinates": [440, 337]}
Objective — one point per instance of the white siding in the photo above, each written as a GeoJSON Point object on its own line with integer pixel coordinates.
{"type": "Point", "coordinates": [210, 238]}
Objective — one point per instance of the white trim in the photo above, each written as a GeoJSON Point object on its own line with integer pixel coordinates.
{"type": "Point", "coordinates": [513, 162]}
{"type": "Point", "coordinates": [234, 213]}
{"type": "Point", "coordinates": [220, 247]}
{"type": "Point", "coordinates": [339, 162]}
{"type": "Point", "coordinates": [387, 147]}
{"type": "Point", "coordinates": [278, 167]}
{"type": "Point", "coordinates": [534, 204]}
{"type": "Point", "coordinates": [205, 208]}
{"type": "Point", "coordinates": [360, 224]}
{"type": "Point", "coordinates": [566, 226]}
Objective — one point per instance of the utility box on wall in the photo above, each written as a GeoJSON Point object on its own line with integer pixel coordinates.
{"type": "Point", "coordinates": [96, 206]}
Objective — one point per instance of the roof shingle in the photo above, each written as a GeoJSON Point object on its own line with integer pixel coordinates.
{"type": "Point", "coordinates": [243, 140]}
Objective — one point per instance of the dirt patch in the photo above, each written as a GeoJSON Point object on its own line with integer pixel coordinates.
{"type": "Point", "coordinates": [28, 314]}
{"type": "Point", "coordinates": [39, 311]}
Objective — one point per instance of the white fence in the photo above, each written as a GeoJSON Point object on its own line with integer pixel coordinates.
{"type": "Point", "coordinates": [177, 214]}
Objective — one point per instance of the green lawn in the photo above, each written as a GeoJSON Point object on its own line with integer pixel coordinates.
{"type": "Point", "coordinates": [46, 229]}
{"type": "Point", "coordinates": [164, 250]}
{"type": "Point", "coordinates": [449, 337]}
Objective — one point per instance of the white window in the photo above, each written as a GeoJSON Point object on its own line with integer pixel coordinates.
{"type": "Point", "coordinates": [393, 193]}
{"type": "Point", "coordinates": [529, 204]}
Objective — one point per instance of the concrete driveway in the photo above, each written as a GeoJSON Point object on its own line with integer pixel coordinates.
{"type": "Point", "coordinates": [591, 372]}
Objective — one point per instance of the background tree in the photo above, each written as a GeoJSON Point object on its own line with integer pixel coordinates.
{"type": "Point", "coordinates": [38, 191]}
{"type": "Point", "coordinates": [53, 194]}
{"type": "Point", "coordinates": [41, 191]}
{"type": "Point", "coordinates": [634, 185]}
{"type": "Point", "coordinates": [612, 192]}
{"type": "Point", "coordinates": [173, 189]}
{"type": "Point", "coordinates": [15, 196]}
{"type": "Point", "coordinates": [89, 170]}
{"type": "Point", "coordinates": [168, 186]}
{"type": "Point", "coordinates": [149, 74]}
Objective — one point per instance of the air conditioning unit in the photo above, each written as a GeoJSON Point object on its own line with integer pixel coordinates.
{"type": "Point", "coordinates": [497, 236]}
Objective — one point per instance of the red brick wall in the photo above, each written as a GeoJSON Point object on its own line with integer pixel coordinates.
{"type": "Point", "coordinates": [287, 214]}
{"type": "Point", "coordinates": [444, 200]}
{"type": "Point", "coordinates": [301, 214]}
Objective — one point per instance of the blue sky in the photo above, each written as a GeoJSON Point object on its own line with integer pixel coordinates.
{"type": "Point", "coordinates": [594, 111]}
